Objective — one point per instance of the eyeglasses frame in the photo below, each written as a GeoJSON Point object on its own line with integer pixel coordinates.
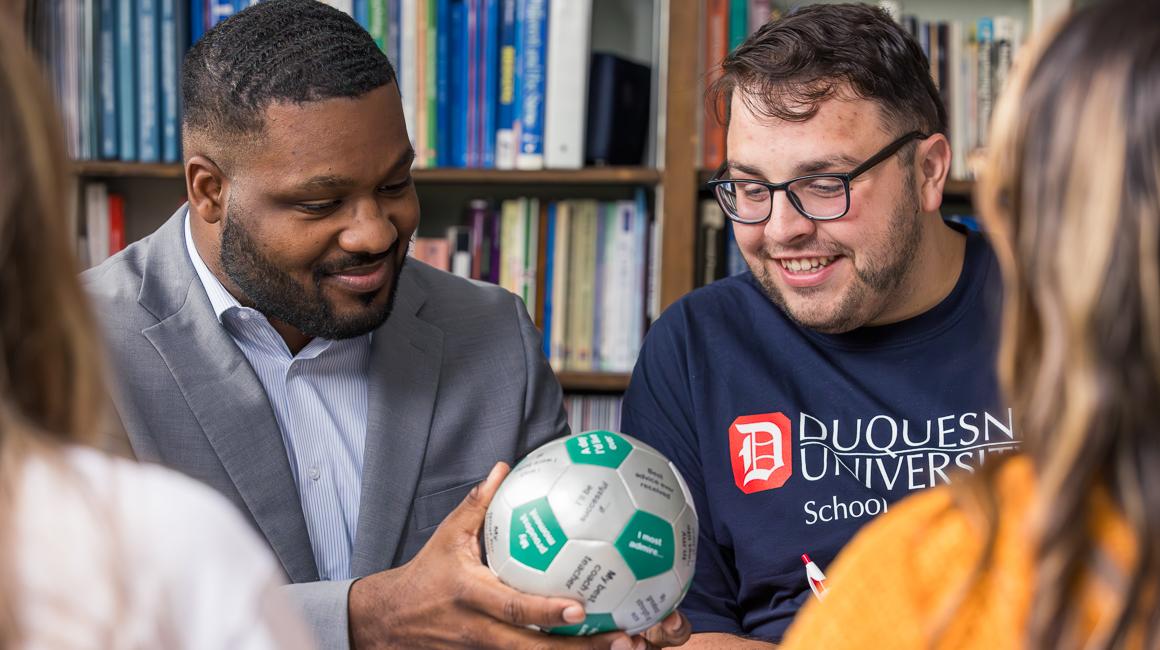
{"type": "Point", "coordinates": [884, 153]}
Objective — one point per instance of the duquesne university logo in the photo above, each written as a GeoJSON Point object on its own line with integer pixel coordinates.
{"type": "Point", "coordinates": [759, 446]}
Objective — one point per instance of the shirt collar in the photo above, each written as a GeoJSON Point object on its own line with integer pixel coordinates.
{"type": "Point", "coordinates": [221, 299]}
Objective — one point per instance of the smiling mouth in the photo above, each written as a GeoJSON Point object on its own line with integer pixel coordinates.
{"type": "Point", "coordinates": [806, 264]}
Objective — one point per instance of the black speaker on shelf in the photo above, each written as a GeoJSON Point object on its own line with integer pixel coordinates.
{"type": "Point", "coordinates": [618, 111]}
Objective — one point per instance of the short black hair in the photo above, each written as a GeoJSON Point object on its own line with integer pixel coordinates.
{"type": "Point", "coordinates": [293, 51]}
{"type": "Point", "coordinates": [789, 66]}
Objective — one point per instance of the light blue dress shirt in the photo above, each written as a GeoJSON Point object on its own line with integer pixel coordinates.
{"type": "Point", "coordinates": [319, 397]}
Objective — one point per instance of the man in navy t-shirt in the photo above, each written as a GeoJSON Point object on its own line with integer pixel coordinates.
{"type": "Point", "coordinates": [853, 364]}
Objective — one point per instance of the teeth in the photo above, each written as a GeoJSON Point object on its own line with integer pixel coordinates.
{"type": "Point", "coordinates": [802, 265]}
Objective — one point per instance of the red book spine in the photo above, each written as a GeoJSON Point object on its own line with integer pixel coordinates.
{"type": "Point", "coordinates": [716, 49]}
{"type": "Point", "coordinates": [116, 223]}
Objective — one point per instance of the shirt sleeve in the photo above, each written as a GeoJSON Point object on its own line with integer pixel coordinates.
{"type": "Point", "coordinates": [657, 409]}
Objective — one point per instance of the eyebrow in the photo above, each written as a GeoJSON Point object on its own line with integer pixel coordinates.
{"type": "Point", "coordinates": [839, 161]}
{"type": "Point", "coordinates": [333, 181]}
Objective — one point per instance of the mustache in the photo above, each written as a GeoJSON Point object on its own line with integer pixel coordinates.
{"type": "Point", "coordinates": [353, 260]}
{"type": "Point", "coordinates": [812, 246]}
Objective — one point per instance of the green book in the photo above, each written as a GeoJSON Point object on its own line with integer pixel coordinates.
{"type": "Point", "coordinates": [738, 23]}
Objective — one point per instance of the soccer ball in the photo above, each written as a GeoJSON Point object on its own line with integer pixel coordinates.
{"type": "Point", "coordinates": [599, 517]}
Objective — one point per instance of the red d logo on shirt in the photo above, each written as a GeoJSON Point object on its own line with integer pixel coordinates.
{"type": "Point", "coordinates": [759, 447]}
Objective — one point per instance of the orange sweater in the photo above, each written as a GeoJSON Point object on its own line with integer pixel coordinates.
{"type": "Point", "coordinates": [891, 585]}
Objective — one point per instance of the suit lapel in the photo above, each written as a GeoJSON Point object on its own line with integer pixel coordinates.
{"type": "Point", "coordinates": [225, 396]}
{"type": "Point", "coordinates": [406, 355]}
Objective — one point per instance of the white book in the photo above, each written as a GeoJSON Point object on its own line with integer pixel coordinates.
{"type": "Point", "coordinates": [408, 64]}
{"type": "Point", "coordinates": [342, 5]}
{"type": "Point", "coordinates": [97, 222]}
{"type": "Point", "coordinates": [958, 105]}
{"type": "Point", "coordinates": [566, 101]}
{"type": "Point", "coordinates": [623, 266]}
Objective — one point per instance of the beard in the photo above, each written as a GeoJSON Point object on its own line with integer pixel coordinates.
{"type": "Point", "coordinates": [875, 284]}
{"type": "Point", "coordinates": [303, 306]}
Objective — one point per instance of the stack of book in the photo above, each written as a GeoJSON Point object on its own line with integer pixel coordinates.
{"type": "Point", "coordinates": [485, 83]}
{"type": "Point", "coordinates": [104, 225]}
{"type": "Point", "coordinates": [589, 412]}
{"type": "Point", "coordinates": [969, 63]}
{"type": "Point", "coordinates": [580, 266]}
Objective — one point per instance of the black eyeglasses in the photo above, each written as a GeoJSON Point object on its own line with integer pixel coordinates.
{"type": "Point", "coordinates": [820, 197]}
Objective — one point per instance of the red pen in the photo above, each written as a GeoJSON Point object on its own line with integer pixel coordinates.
{"type": "Point", "coordinates": [815, 577]}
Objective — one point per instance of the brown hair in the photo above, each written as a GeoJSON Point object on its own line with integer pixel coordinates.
{"type": "Point", "coordinates": [50, 388]}
{"type": "Point", "coordinates": [789, 66]}
{"type": "Point", "coordinates": [1071, 197]}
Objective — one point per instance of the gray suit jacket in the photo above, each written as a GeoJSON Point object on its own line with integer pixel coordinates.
{"type": "Point", "coordinates": [457, 382]}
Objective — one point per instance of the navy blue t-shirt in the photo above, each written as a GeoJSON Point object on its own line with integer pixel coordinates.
{"type": "Point", "coordinates": [791, 440]}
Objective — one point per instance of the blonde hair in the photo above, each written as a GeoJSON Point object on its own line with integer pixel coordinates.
{"type": "Point", "coordinates": [1071, 198]}
{"type": "Point", "coordinates": [50, 387]}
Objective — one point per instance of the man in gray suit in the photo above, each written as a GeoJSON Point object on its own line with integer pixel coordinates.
{"type": "Point", "coordinates": [268, 341]}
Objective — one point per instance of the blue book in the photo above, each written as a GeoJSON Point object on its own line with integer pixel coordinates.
{"type": "Point", "coordinates": [196, 20]}
{"type": "Point", "coordinates": [127, 79]}
{"type": "Point", "coordinates": [170, 88]}
{"type": "Point", "coordinates": [549, 276]}
{"type": "Point", "coordinates": [107, 81]}
{"type": "Point", "coordinates": [460, 78]}
{"type": "Point", "coordinates": [530, 106]}
{"type": "Point", "coordinates": [219, 10]}
{"type": "Point", "coordinates": [517, 81]}
{"type": "Point", "coordinates": [443, 84]}
{"type": "Point", "coordinates": [504, 138]}
{"type": "Point", "coordinates": [734, 262]}
{"type": "Point", "coordinates": [362, 13]}
{"type": "Point", "coordinates": [148, 76]}
{"type": "Point", "coordinates": [488, 80]}
{"type": "Point", "coordinates": [394, 36]}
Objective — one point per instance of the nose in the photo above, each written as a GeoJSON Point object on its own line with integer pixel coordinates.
{"type": "Point", "coordinates": [786, 225]}
{"type": "Point", "coordinates": [370, 229]}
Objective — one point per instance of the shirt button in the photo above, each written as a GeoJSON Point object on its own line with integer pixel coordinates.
{"type": "Point", "coordinates": [314, 473]}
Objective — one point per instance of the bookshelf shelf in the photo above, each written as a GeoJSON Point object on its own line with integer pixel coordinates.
{"type": "Point", "coordinates": [114, 169]}
{"type": "Point", "coordinates": [587, 176]}
{"type": "Point", "coordinates": [594, 381]}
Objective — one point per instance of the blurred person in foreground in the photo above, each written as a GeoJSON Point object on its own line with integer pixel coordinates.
{"type": "Point", "coordinates": [95, 551]}
{"type": "Point", "coordinates": [1056, 547]}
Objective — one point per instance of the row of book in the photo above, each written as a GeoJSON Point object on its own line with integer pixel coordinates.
{"type": "Point", "coordinates": [114, 66]}
{"type": "Point", "coordinates": [590, 412]}
{"type": "Point", "coordinates": [969, 63]}
{"type": "Point", "coordinates": [580, 266]}
{"type": "Point", "coordinates": [485, 83]}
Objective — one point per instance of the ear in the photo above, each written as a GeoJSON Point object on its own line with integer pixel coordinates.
{"type": "Point", "coordinates": [205, 185]}
{"type": "Point", "coordinates": [932, 160]}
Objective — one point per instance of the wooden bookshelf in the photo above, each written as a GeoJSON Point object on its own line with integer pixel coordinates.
{"type": "Point", "coordinates": [587, 176]}
{"type": "Point", "coordinates": [606, 382]}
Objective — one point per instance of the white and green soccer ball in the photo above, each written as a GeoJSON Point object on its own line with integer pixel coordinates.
{"type": "Point", "coordinates": [599, 517]}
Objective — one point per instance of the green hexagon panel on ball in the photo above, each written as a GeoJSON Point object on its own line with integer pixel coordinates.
{"type": "Point", "coordinates": [601, 518]}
